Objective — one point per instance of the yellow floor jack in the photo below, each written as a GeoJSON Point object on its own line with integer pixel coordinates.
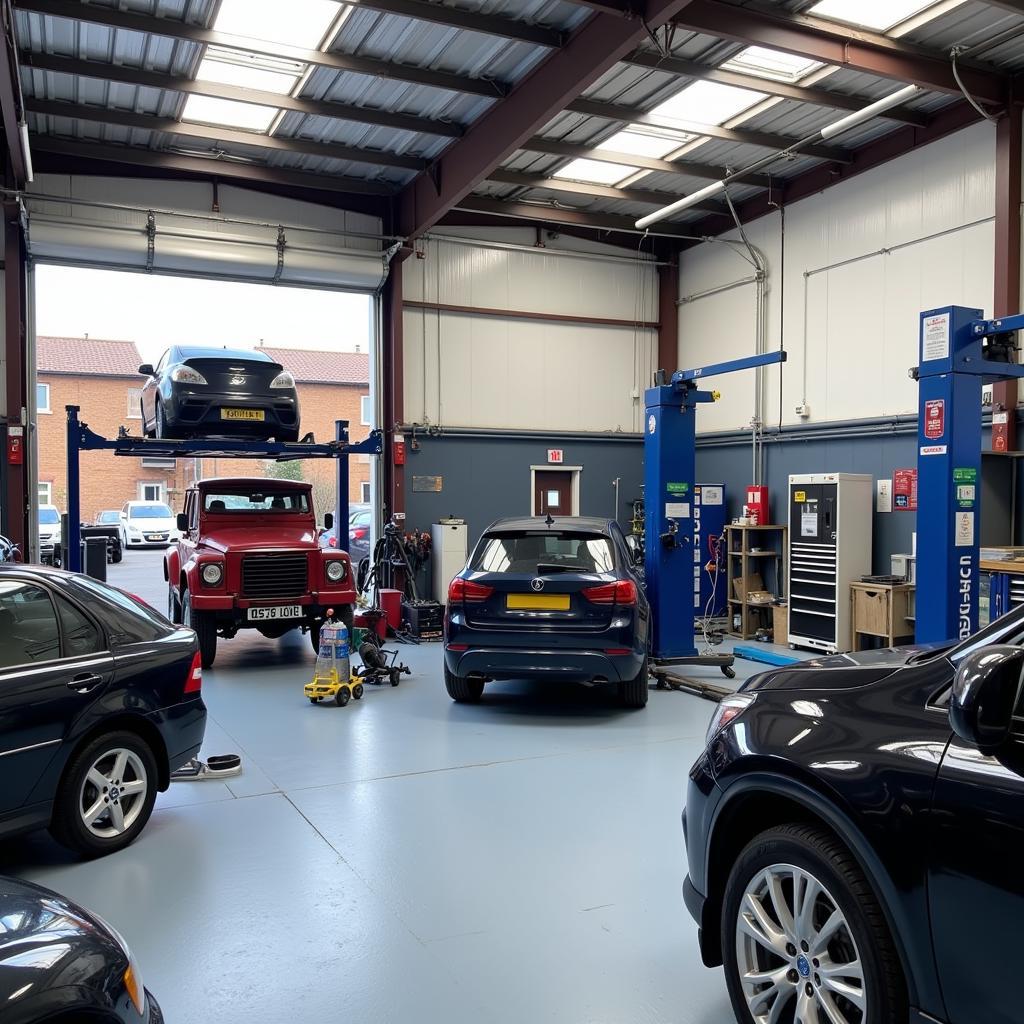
{"type": "Point", "coordinates": [333, 678]}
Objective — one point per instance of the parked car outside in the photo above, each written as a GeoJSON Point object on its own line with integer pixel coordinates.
{"type": "Point", "coordinates": [147, 524]}
{"type": "Point", "coordinates": [854, 833]}
{"type": "Point", "coordinates": [360, 521]}
{"type": "Point", "coordinates": [249, 558]}
{"type": "Point", "coordinates": [548, 599]}
{"type": "Point", "coordinates": [49, 532]}
{"type": "Point", "coordinates": [196, 391]}
{"type": "Point", "coordinates": [108, 517]}
{"type": "Point", "coordinates": [101, 702]}
{"type": "Point", "coordinates": [64, 963]}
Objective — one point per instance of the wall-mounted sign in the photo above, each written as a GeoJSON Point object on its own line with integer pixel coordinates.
{"type": "Point", "coordinates": [934, 419]}
{"type": "Point", "coordinates": [904, 490]}
{"type": "Point", "coordinates": [427, 483]}
{"type": "Point", "coordinates": [556, 455]}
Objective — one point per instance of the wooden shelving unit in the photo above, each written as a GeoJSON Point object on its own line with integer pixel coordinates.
{"type": "Point", "coordinates": [741, 562]}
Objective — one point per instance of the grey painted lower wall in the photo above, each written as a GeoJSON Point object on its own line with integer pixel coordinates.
{"type": "Point", "coordinates": [485, 478]}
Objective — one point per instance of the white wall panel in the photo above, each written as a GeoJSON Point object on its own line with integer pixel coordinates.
{"type": "Point", "coordinates": [465, 370]}
{"type": "Point", "coordinates": [919, 233]}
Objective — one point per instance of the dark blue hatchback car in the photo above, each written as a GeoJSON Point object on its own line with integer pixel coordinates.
{"type": "Point", "coordinates": [548, 599]}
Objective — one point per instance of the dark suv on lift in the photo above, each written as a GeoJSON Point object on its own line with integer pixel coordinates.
{"type": "Point", "coordinates": [855, 832]}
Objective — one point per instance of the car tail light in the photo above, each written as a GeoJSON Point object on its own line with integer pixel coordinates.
{"type": "Point", "coordinates": [187, 375]}
{"type": "Point", "coordinates": [617, 652]}
{"type": "Point", "coordinates": [458, 647]}
{"type": "Point", "coordinates": [466, 590]}
{"type": "Point", "coordinates": [359, 533]}
{"type": "Point", "coordinates": [621, 592]}
{"type": "Point", "coordinates": [194, 681]}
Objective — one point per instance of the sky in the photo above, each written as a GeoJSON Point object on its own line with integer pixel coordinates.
{"type": "Point", "coordinates": [155, 311]}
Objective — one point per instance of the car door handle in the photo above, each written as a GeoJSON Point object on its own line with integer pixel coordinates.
{"type": "Point", "coordinates": [85, 683]}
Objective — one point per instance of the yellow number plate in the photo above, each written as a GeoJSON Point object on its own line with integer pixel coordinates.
{"type": "Point", "coordinates": [537, 602]}
{"type": "Point", "coordinates": [241, 414]}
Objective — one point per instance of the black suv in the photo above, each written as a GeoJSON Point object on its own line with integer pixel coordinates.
{"type": "Point", "coordinates": [855, 834]}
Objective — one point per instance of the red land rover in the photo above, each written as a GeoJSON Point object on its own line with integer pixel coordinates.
{"type": "Point", "coordinates": [249, 558]}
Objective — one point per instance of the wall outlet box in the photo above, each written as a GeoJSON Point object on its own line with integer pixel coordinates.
{"type": "Point", "coordinates": [803, 411]}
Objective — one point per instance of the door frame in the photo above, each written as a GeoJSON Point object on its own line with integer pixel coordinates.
{"type": "Point", "coordinates": [574, 470]}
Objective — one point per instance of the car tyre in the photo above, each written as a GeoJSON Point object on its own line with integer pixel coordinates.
{"type": "Point", "coordinates": [633, 692]}
{"type": "Point", "coordinates": [342, 697]}
{"type": "Point", "coordinates": [204, 625]}
{"type": "Point", "coordinates": [160, 429]}
{"type": "Point", "coordinates": [117, 555]}
{"type": "Point", "coordinates": [462, 689]}
{"type": "Point", "coordinates": [128, 754]}
{"type": "Point", "coordinates": [863, 936]}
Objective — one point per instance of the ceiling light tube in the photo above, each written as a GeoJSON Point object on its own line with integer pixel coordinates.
{"type": "Point", "coordinates": [682, 204]}
{"type": "Point", "coordinates": [26, 150]}
{"type": "Point", "coordinates": [830, 131]}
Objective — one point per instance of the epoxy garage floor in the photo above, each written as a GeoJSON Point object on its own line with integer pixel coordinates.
{"type": "Point", "coordinates": [408, 859]}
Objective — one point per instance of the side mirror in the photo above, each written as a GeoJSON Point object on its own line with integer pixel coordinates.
{"type": "Point", "coordinates": [147, 369]}
{"type": "Point", "coordinates": [328, 521]}
{"type": "Point", "coordinates": [984, 696]}
{"type": "Point", "coordinates": [181, 521]}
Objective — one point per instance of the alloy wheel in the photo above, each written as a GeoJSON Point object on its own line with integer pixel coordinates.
{"type": "Point", "coordinates": [113, 793]}
{"type": "Point", "coordinates": [797, 957]}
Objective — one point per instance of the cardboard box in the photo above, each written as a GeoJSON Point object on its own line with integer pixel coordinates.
{"type": "Point", "coordinates": [780, 623]}
{"type": "Point", "coordinates": [744, 585]}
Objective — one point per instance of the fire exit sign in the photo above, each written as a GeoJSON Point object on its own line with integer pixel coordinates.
{"type": "Point", "coordinates": [556, 455]}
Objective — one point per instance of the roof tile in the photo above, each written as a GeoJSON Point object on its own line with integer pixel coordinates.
{"type": "Point", "coordinates": [310, 366]}
{"type": "Point", "coordinates": [93, 356]}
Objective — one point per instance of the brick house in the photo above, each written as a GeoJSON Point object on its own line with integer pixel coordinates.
{"type": "Point", "coordinates": [102, 378]}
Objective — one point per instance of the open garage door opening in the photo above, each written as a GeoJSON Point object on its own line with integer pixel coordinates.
{"type": "Point", "coordinates": [173, 356]}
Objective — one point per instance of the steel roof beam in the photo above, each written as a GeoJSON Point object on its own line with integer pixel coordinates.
{"type": "Point", "coordinates": [786, 90]}
{"type": "Point", "coordinates": [298, 104]}
{"type": "Point", "coordinates": [172, 29]}
{"type": "Point", "coordinates": [596, 47]}
{"type": "Point", "coordinates": [470, 21]}
{"type": "Point", "coordinates": [208, 133]}
{"type": "Point", "coordinates": [842, 45]}
{"type": "Point", "coordinates": [555, 147]}
{"type": "Point", "coordinates": [584, 188]}
{"type": "Point", "coordinates": [744, 136]}
{"type": "Point", "coordinates": [9, 97]}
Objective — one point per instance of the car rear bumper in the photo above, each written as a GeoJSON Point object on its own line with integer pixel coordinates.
{"type": "Point", "coordinates": [543, 663]}
{"type": "Point", "coordinates": [182, 728]}
{"type": "Point", "coordinates": [190, 410]}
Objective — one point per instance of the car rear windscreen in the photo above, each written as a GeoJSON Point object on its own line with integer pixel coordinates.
{"type": "Point", "coordinates": [264, 502]}
{"type": "Point", "coordinates": [149, 512]}
{"type": "Point", "coordinates": [521, 551]}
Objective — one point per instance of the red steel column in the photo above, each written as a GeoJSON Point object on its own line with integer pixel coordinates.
{"type": "Point", "coordinates": [668, 317]}
{"type": "Point", "coordinates": [16, 490]}
{"type": "Point", "coordinates": [1006, 299]}
{"type": "Point", "coordinates": [393, 382]}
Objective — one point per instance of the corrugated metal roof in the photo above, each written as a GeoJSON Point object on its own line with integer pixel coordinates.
{"type": "Point", "coordinates": [992, 35]}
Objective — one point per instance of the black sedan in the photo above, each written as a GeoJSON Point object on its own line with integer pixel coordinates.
{"type": "Point", "coordinates": [217, 392]}
{"type": "Point", "coordinates": [855, 830]}
{"type": "Point", "coordinates": [61, 963]}
{"type": "Point", "coordinates": [100, 700]}
{"type": "Point", "coordinates": [548, 599]}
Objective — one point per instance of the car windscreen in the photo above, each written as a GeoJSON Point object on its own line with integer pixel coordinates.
{"type": "Point", "coordinates": [522, 551]}
{"type": "Point", "coordinates": [108, 517]}
{"type": "Point", "coordinates": [48, 517]}
{"type": "Point", "coordinates": [149, 512]}
{"type": "Point", "coordinates": [261, 502]}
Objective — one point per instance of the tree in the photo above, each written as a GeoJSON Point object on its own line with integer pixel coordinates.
{"type": "Point", "coordinates": [291, 470]}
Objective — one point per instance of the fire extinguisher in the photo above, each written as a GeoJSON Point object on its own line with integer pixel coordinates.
{"type": "Point", "coordinates": [15, 446]}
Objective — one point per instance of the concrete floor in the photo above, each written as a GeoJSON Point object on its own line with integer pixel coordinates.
{"type": "Point", "coordinates": [408, 859]}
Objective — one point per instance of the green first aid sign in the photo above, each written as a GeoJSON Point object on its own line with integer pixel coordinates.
{"type": "Point", "coordinates": [678, 488]}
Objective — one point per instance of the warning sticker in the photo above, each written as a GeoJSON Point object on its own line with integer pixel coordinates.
{"type": "Point", "coordinates": [799, 497]}
{"type": "Point", "coordinates": [933, 449]}
{"type": "Point", "coordinates": [677, 510]}
{"type": "Point", "coordinates": [809, 524]}
{"type": "Point", "coordinates": [712, 496]}
{"type": "Point", "coordinates": [934, 418]}
{"type": "Point", "coordinates": [935, 337]}
{"type": "Point", "coordinates": [964, 532]}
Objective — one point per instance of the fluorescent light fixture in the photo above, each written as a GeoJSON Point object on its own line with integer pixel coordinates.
{"type": "Point", "coordinates": [682, 204]}
{"type": "Point", "coordinates": [708, 103]}
{"type": "Point", "coordinates": [302, 23]}
{"type": "Point", "coordinates": [641, 143]}
{"type": "Point", "coordinates": [894, 99]}
{"type": "Point", "coordinates": [228, 113]}
{"type": "Point", "coordinates": [250, 70]}
{"type": "Point", "coordinates": [774, 64]}
{"type": "Point", "coordinates": [880, 15]}
{"type": "Point", "coordinates": [596, 171]}
{"type": "Point", "coordinates": [26, 149]}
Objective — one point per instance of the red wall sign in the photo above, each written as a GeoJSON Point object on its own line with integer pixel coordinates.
{"type": "Point", "coordinates": [904, 489]}
{"type": "Point", "coordinates": [556, 455]}
{"type": "Point", "coordinates": [16, 446]}
{"type": "Point", "coordinates": [935, 418]}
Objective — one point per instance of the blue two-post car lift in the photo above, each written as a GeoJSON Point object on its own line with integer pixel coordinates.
{"type": "Point", "coordinates": [670, 475]}
{"type": "Point", "coordinates": [81, 439]}
{"type": "Point", "coordinates": [959, 351]}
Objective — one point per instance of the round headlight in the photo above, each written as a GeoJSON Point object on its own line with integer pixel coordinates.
{"type": "Point", "coordinates": [213, 573]}
{"type": "Point", "coordinates": [335, 570]}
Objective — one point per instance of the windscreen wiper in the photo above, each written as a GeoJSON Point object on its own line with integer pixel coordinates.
{"type": "Point", "coordinates": [544, 567]}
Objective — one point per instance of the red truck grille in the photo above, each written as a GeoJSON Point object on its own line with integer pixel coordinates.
{"type": "Point", "coordinates": [275, 575]}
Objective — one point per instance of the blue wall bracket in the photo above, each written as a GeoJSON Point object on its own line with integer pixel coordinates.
{"type": "Point", "coordinates": [81, 439]}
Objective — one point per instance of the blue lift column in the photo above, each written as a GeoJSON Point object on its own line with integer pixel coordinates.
{"type": "Point", "coordinates": [959, 351]}
{"type": "Point", "coordinates": [670, 442]}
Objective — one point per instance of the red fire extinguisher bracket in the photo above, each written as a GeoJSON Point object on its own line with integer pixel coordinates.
{"type": "Point", "coordinates": [399, 450]}
{"type": "Point", "coordinates": [15, 446]}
